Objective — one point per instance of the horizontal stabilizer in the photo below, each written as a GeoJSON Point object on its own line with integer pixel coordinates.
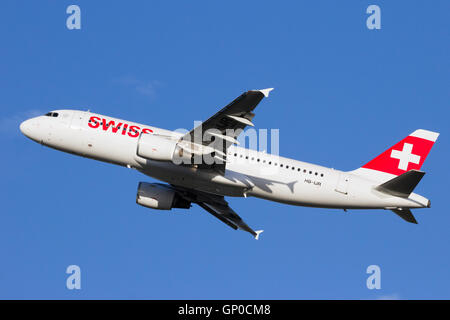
{"type": "Point", "coordinates": [405, 214]}
{"type": "Point", "coordinates": [403, 185]}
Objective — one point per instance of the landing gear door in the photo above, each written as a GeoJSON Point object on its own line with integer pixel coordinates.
{"type": "Point", "coordinates": [343, 181]}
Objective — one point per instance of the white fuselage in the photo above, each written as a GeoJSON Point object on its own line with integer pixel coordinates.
{"type": "Point", "coordinates": [248, 172]}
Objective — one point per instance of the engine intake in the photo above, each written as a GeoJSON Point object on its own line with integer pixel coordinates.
{"type": "Point", "coordinates": [160, 197]}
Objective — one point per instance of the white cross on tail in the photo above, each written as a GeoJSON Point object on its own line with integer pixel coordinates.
{"type": "Point", "coordinates": [405, 156]}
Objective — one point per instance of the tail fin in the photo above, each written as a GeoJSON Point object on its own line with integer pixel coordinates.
{"type": "Point", "coordinates": [408, 154]}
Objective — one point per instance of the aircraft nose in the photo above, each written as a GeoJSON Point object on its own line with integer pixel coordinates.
{"type": "Point", "coordinates": [27, 128]}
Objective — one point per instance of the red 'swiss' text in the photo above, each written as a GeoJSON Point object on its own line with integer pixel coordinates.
{"type": "Point", "coordinates": [120, 128]}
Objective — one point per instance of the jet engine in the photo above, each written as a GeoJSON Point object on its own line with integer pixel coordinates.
{"type": "Point", "coordinates": [166, 148]}
{"type": "Point", "coordinates": [159, 196]}
{"type": "Point", "coordinates": [156, 147]}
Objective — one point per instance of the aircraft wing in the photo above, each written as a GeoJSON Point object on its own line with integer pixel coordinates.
{"type": "Point", "coordinates": [218, 207]}
{"type": "Point", "coordinates": [221, 130]}
{"type": "Point", "coordinates": [224, 213]}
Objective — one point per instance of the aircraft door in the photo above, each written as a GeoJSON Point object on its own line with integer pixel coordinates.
{"type": "Point", "coordinates": [343, 181]}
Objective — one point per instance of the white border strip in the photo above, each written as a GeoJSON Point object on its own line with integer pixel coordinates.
{"type": "Point", "coordinates": [425, 134]}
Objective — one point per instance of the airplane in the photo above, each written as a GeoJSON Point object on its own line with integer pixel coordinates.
{"type": "Point", "coordinates": [183, 162]}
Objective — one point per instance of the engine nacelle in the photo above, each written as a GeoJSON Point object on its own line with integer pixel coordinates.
{"type": "Point", "coordinates": [159, 196]}
{"type": "Point", "coordinates": [155, 147]}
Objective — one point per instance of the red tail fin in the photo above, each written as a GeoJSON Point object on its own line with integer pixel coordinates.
{"type": "Point", "coordinates": [408, 154]}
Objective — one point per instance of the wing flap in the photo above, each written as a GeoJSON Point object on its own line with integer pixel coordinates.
{"type": "Point", "coordinates": [227, 215]}
{"type": "Point", "coordinates": [226, 125]}
{"type": "Point", "coordinates": [217, 215]}
{"type": "Point", "coordinates": [218, 207]}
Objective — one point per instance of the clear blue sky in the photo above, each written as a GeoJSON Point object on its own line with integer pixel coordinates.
{"type": "Point", "coordinates": [343, 94]}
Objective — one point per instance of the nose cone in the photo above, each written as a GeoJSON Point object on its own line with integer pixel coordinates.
{"type": "Point", "coordinates": [28, 128]}
{"type": "Point", "coordinates": [25, 127]}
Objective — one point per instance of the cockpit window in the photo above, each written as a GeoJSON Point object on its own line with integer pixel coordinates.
{"type": "Point", "coordinates": [52, 114]}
